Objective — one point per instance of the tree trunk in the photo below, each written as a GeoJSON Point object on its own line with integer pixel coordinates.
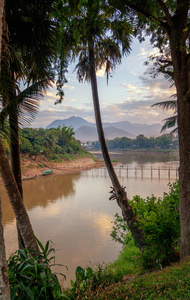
{"type": "Point", "coordinates": [17, 203]}
{"type": "Point", "coordinates": [181, 64]}
{"type": "Point", "coordinates": [4, 281]}
{"type": "Point", "coordinates": [184, 174]}
{"type": "Point", "coordinates": [118, 191]}
{"type": "Point", "coordinates": [15, 157]}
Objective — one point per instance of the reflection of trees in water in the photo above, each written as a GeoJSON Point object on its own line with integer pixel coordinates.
{"type": "Point", "coordinates": [142, 158]}
{"type": "Point", "coordinates": [41, 192]}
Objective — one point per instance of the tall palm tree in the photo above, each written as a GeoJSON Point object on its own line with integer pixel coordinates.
{"type": "Point", "coordinates": [28, 55]}
{"type": "Point", "coordinates": [97, 36]}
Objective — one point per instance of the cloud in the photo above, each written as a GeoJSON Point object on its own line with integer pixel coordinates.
{"type": "Point", "coordinates": [47, 116]}
{"type": "Point", "coordinates": [66, 86]}
{"type": "Point", "coordinates": [135, 106]}
{"type": "Point", "coordinates": [52, 95]}
{"type": "Point", "coordinates": [145, 53]}
{"type": "Point", "coordinates": [101, 72]}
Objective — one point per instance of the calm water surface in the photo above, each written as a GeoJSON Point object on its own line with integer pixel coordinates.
{"type": "Point", "coordinates": [73, 210]}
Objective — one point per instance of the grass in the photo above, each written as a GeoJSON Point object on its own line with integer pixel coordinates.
{"type": "Point", "coordinates": [126, 279]}
{"type": "Point", "coordinates": [170, 283]}
{"type": "Point", "coordinates": [127, 263]}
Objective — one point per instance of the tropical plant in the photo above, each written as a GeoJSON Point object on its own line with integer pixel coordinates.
{"type": "Point", "coordinates": [96, 36]}
{"type": "Point", "coordinates": [31, 277]}
{"type": "Point", "coordinates": [88, 281]}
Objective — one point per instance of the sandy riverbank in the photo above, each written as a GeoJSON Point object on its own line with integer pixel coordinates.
{"type": "Point", "coordinates": [34, 168]}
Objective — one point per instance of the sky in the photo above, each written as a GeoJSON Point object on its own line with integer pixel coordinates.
{"type": "Point", "coordinates": [127, 97]}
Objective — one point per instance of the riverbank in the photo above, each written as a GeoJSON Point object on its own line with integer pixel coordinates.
{"type": "Point", "coordinates": [33, 168]}
{"type": "Point", "coordinates": [168, 283]}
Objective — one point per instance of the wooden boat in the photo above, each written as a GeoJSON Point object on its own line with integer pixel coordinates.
{"type": "Point", "coordinates": [44, 173]}
{"type": "Point", "coordinates": [28, 178]}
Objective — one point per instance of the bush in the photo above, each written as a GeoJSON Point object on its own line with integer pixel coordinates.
{"type": "Point", "coordinates": [159, 219]}
{"type": "Point", "coordinates": [31, 277]}
{"type": "Point", "coordinates": [88, 282]}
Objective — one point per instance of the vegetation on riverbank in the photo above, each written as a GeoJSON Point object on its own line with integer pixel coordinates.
{"type": "Point", "coordinates": [54, 144]}
{"type": "Point", "coordinates": [166, 142]}
{"type": "Point", "coordinates": [134, 275]}
{"type": "Point", "coordinates": [169, 283]}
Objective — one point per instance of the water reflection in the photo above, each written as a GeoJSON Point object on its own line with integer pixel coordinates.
{"type": "Point", "coordinates": [41, 192]}
{"type": "Point", "coordinates": [74, 212]}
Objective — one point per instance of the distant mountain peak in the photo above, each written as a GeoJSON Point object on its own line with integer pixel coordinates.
{"type": "Point", "coordinates": [85, 130]}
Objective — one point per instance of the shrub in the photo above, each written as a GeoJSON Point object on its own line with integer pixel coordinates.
{"type": "Point", "coordinates": [88, 281]}
{"type": "Point", "coordinates": [31, 277]}
{"type": "Point", "coordinates": [159, 219]}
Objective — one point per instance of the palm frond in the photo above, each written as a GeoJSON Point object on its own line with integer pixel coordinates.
{"type": "Point", "coordinates": [165, 105]}
{"type": "Point", "coordinates": [27, 102]}
{"type": "Point", "coordinates": [169, 122]}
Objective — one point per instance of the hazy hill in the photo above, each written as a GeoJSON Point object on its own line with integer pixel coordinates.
{"type": "Point", "coordinates": [86, 131]}
{"type": "Point", "coordinates": [75, 122]}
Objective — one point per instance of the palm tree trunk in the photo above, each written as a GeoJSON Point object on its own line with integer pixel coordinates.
{"type": "Point", "coordinates": [17, 203]}
{"type": "Point", "coordinates": [118, 191]}
{"type": "Point", "coordinates": [15, 158]}
{"type": "Point", "coordinates": [4, 281]}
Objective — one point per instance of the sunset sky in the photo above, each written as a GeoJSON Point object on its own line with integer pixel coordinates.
{"type": "Point", "coordinates": [127, 97]}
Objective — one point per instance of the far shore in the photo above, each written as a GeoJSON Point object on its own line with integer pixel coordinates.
{"type": "Point", "coordinates": [32, 168]}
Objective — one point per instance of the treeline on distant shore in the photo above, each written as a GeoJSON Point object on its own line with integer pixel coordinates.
{"type": "Point", "coordinates": [54, 143]}
{"type": "Point", "coordinates": [163, 142]}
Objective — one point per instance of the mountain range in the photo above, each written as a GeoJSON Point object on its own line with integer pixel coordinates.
{"type": "Point", "coordinates": [86, 131]}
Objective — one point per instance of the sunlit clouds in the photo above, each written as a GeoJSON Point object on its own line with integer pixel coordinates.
{"type": "Point", "coordinates": [128, 96]}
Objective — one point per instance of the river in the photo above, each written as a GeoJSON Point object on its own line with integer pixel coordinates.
{"type": "Point", "coordinates": [73, 210]}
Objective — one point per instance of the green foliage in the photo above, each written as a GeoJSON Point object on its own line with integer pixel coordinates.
{"type": "Point", "coordinates": [141, 142]}
{"type": "Point", "coordinates": [128, 262]}
{"type": "Point", "coordinates": [120, 232]}
{"type": "Point", "coordinates": [159, 219]}
{"type": "Point", "coordinates": [169, 283]}
{"type": "Point", "coordinates": [54, 144]}
{"type": "Point", "coordinates": [40, 165]}
{"type": "Point", "coordinates": [87, 281]}
{"type": "Point", "coordinates": [31, 277]}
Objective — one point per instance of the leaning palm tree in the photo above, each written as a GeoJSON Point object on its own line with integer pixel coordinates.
{"type": "Point", "coordinates": [28, 52]}
{"type": "Point", "coordinates": [96, 36]}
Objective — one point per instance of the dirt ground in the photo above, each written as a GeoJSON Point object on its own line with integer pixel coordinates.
{"type": "Point", "coordinates": [34, 167]}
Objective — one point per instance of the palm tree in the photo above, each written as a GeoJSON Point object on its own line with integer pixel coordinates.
{"type": "Point", "coordinates": [97, 36]}
{"type": "Point", "coordinates": [17, 203]}
{"type": "Point", "coordinates": [28, 55]}
{"type": "Point", "coordinates": [171, 121]}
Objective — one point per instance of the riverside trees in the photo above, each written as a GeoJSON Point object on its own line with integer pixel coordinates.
{"type": "Point", "coordinates": [167, 22]}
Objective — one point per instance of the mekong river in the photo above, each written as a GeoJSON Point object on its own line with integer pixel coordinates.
{"type": "Point", "coordinates": [74, 211]}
